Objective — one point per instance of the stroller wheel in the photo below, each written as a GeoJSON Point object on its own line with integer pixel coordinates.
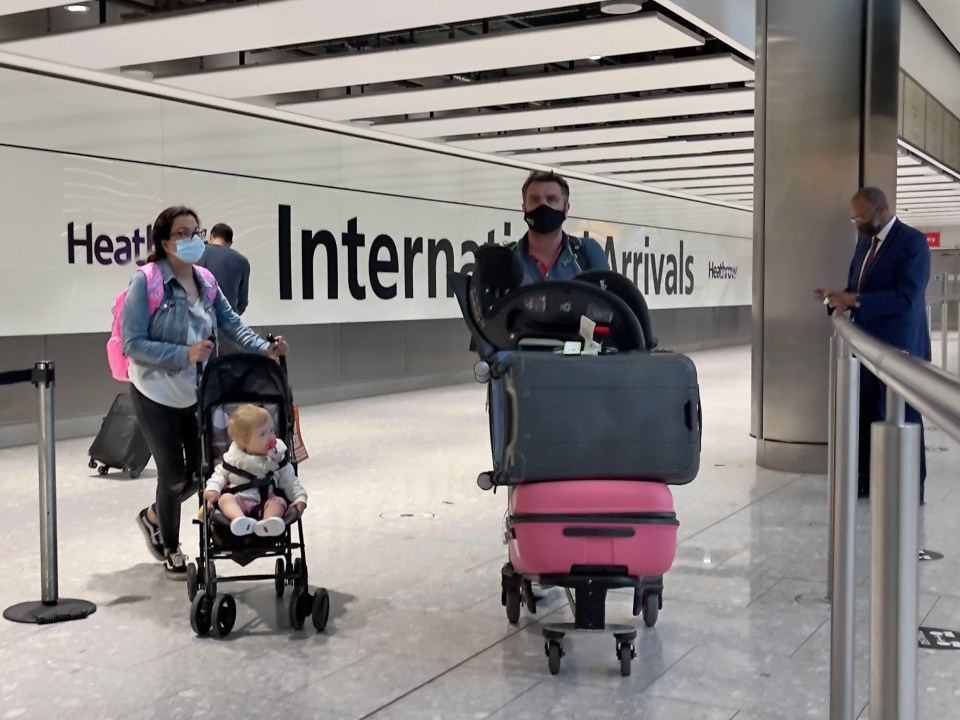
{"type": "Point", "coordinates": [651, 609]}
{"type": "Point", "coordinates": [321, 609]}
{"type": "Point", "coordinates": [626, 654]}
{"type": "Point", "coordinates": [554, 654]}
{"type": "Point", "coordinates": [513, 601]}
{"type": "Point", "coordinates": [200, 615]}
{"type": "Point", "coordinates": [300, 573]}
{"type": "Point", "coordinates": [224, 615]}
{"type": "Point", "coordinates": [211, 583]}
{"type": "Point", "coordinates": [279, 579]}
{"type": "Point", "coordinates": [91, 463]}
{"type": "Point", "coordinates": [192, 583]}
{"type": "Point", "coordinates": [295, 609]}
{"type": "Point", "coordinates": [529, 598]}
{"type": "Point", "coordinates": [103, 470]}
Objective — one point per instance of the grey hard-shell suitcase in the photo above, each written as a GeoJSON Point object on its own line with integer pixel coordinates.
{"type": "Point", "coordinates": [580, 417]}
{"type": "Point", "coordinates": [120, 442]}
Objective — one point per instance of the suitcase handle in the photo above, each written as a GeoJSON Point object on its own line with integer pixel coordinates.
{"type": "Point", "coordinates": [599, 532]}
{"type": "Point", "coordinates": [694, 420]}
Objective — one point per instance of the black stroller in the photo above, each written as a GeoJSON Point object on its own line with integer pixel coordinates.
{"type": "Point", "coordinates": [227, 382]}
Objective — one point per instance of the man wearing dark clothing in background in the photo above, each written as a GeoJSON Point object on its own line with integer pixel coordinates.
{"type": "Point", "coordinates": [230, 268]}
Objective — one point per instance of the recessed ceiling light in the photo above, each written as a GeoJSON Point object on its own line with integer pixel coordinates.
{"type": "Point", "coordinates": [596, 57]}
{"type": "Point", "coordinates": [620, 7]}
{"type": "Point", "coordinates": [77, 8]}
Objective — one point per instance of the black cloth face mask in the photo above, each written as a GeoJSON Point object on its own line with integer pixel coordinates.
{"type": "Point", "coordinates": [544, 219]}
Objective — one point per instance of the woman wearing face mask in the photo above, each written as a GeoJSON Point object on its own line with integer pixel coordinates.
{"type": "Point", "coordinates": [164, 348]}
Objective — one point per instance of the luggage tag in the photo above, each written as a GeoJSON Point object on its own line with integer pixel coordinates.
{"type": "Point", "coordinates": [587, 327]}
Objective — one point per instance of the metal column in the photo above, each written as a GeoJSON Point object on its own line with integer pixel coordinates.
{"type": "Point", "coordinates": [844, 535]}
{"type": "Point", "coordinates": [894, 472]}
{"type": "Point", "coordinates": [944, 334]}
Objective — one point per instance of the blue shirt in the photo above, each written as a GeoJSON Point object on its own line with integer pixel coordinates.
{"type": "Point", "coordinates": [566, 266]}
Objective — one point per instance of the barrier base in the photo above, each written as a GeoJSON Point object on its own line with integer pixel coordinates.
{"type": "Point", "coordinates": [41, 613]}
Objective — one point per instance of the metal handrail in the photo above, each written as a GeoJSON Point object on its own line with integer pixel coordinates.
{"type": "Point", "coordinates": [894, 478]}
{"type": "Point", "coordinates": [933, 392]}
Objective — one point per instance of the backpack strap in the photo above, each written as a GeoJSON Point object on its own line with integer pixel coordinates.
{"type": "Point", "coordinates": [579, 252]}
{"type": "Point", "coordinates": [154, 285]}
{"type": "Point", "coordinates": [210, 280]}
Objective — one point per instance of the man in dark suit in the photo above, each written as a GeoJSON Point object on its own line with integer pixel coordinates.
{"type": "Point", "coordinates": [230, 268]}
{"type": "Point", "coordinates": [885, 293]}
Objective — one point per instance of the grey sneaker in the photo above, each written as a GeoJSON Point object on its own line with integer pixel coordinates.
{"type": "Point", "coordinates": [175, 565]}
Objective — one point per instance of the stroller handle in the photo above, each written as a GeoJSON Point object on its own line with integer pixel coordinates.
{"type": "Point", "coordinates": [271, 338]}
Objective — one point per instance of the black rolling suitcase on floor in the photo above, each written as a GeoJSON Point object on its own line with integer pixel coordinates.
{"type": "Point", "coordinates": [634, 416]}
{"type": "Point", "coordinates": [120, 442]}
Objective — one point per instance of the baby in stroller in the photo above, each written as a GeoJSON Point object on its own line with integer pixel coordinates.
{"type": "Point", "coordinates": [245, 483]}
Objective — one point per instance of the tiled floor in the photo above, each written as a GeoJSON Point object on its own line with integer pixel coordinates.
{"type": "Point", "coordinates": [417, 630]}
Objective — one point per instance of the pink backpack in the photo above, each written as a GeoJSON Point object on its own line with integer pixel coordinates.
{"type": "Point", "coordinates": [120, 363]}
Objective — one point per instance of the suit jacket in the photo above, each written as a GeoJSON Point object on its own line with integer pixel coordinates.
{"type": "Point", "coordinates": [892, 296]}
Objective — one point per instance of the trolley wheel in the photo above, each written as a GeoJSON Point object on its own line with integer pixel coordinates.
{"type": "Point", "coordinates": [626, 654]}
{"type": "Point", "coordinates": [299, 573]}
{"type": "Point", "coordinates": [321, 609]}
{"type": "Point", "coordinates": [103, 470]}
{"type": "Point", "coordinates": [200, 614]}
{"type": "Point", "coordinates": [91, 463]}
{"type": "Point", "coordinates": [651, 609]}
{"type": "Point", "coordinates": [210, 587]}
{"type": "Point", "coordinates": [279, 579]}
{"type": "Point", "coordinates": [513, 601]}
{"type": "Point", "coordinates": [192, 583]}
{"type": "Point", "coordinates": [134, 474]}
{"type": "Point", "coordinates": [295, 609]}
{"type": "Point", "coordinates": [555, 652]}
{"type": "Point", "coordinates": [529, 599]}
{"type": "Point", "coordinates": [224, 615]}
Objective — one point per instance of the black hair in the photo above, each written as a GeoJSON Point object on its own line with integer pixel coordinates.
{"type": "Point", "coordinates": [222, 231]}
{"type": "Point", "coordinates": [545, 176]}
{"type": "Point", "coordinates": [874, 196]}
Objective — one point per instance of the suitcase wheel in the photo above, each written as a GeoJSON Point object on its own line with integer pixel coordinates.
{"type": "Point", "coordinates": [133, 473]}
{"type": "Point", "coordinates": [103, 470]}
{"type": "Point", "coordinates": [92, 464]}
{"type": "Point", "coordinates": [554, 651]}
{"type": "Point", "coordinates": [626, 654]}
{"type": "Point", "coordinates": [651, 609]}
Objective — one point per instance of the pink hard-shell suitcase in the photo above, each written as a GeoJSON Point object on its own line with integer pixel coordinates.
{"type": "Point", "coordinates": [592, 526]}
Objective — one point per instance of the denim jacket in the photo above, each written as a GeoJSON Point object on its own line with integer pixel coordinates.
{"type": "Point", "coordinates": [159, 341]}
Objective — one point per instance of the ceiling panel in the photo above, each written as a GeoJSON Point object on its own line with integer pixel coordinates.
{"type": "Point", "coordinates": [686, 173]}
{"type": "Point", "coordinates": [634, 133]}
{"type": "Point", "coordinates": [608, 81]}
{"type": "Point", "coordinates": [260, 25]}
{"type": "Point", "coordinates": [651, 149]}
{"type": "Point", "coordinates": [924, 180]}
{"type": "Point", "coordinates": [636, 166]}
{"type": "Point", "coordinates": [928, 186]}
{"type": "Point", "coordinates": [644, 33]}
{"type": "Point", "coordinates": [685, 185]}
{"type": "Point", "coordinates": [9, 7]}
{"type": "Point", "coordinates": [701, 103]}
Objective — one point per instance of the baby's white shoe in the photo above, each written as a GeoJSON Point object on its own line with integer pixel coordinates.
{"type": "Point", "coordinates": [270, 527]}
{"type": "Point", "coordinates": [242, 525]}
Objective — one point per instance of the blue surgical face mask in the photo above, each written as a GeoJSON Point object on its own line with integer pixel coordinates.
{"type": "Point", "coordinates": [190, 250]}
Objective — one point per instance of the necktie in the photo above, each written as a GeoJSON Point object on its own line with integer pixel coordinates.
{"type": "Point", "coordinates": [868, 262]}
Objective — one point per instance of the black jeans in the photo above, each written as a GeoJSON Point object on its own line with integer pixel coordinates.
{"type": "Point", "coordinates": [173, 437]}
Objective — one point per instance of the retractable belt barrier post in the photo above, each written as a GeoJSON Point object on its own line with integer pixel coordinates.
{"type": "Point", "coordinates": [50, 608]}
